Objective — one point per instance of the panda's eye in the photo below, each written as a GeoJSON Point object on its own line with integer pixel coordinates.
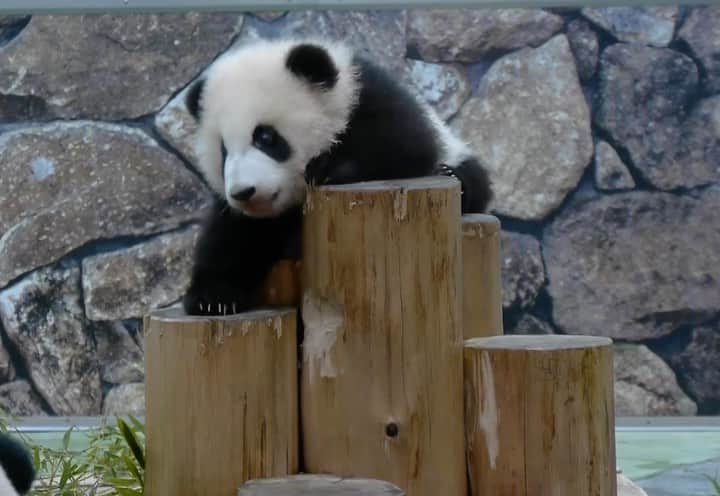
{"type": "Point", "coordinates": [264, 136]}
{"type": "Point", "coordinates": [269, 141]}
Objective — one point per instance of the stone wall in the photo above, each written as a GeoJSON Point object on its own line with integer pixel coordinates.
{"type": "Point", "coordinates": [601, 129]}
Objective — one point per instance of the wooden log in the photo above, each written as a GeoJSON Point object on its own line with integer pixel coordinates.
{"type": "Point", "coordinates": [318, 485]}
{"type": "Point", "coordinates": [282, 285]}
{"type": "Point", "coordinates": [382, 368]}
{"type": "Point", "coordinates": [482, 284]}
{"type": "Point", "coordinates": [221, 400]}
{"type": "Point", "coordinates": [540, 416]}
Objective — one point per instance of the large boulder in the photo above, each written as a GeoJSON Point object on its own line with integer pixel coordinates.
{"type": "Point", "coordinates": [531, 126]}
{"type": "Point", "coordinates": [126, 399]}
{"type": "Point", "coordinates": [43, 316]}
{"type": "Point", "coordinates": [18, 398]}
{"type": "Point", "coordinates": [67, 184]}
{"type": "Point", "coordinates": [111, 67]}
{"type": "Point", "coordinates": [378, 35]}
{"type": "Point", "coordinates": [7, 368]}
{"type": "Point", "coordinates": [119, 354]}
{"type": "Point", "coordinates": [695, 354]}
{"type": "Point", "coordinates": [611, 173]}
{"type": "Point", "coordinates": [634, 265]}
{"type": "Point", "coordinates": [462, 35]}
{"type": "Point", "coordinates": [128, 283]}
{"type": "Point", "coordinates": [444, 86]}
{"type": "Point", "coordinates": [701, 31]}
{"type": "Point", "coordinates": [646, 386]}
{"type": "Point", "coordinates": [523, 274]}
{"type": "Point", "coordinates": [649, 25]}
{"type": "Point", "coordinates": [646, 103]}
{"type": "Point", "coordinates": [585, 46]}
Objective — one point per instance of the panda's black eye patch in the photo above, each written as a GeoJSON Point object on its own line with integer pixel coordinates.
{"type": "Point", "coordinates": [269, 141]}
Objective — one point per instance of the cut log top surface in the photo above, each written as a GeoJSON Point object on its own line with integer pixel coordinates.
{"type": "Point", "coordinates": [177, 314]}
{"type": "Point", "coordinates": [318, 485]}
{"type": "Point", "coordinates": [542, 343]}
{"type": "Point", "coordinates": [490, 223]}
{"type": "Point", "coordinates": [416, 183]}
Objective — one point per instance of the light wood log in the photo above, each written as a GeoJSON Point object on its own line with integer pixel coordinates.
{"type": "Point", "coordinates": [482, 284]}
{"type": "Point", "coordinates": [318, 485]}
{"type": "Point", "coordinates": [540, 416]}
{"type": "Point", "coordinates": [282, 285]}
{"type": "Point", "coordinates": [382, 356]}
{"type": "Point", "coordinates": [221, 401]}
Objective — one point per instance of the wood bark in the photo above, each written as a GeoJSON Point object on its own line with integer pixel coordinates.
{"type": "Point", "coordinates": [221, 401]}
{"type": "Point", "coordinates": [482, 284]}
{"type": "Point", "coordinates": [382, 355]}
{"type": "Point", "coordinates": [540, 416]}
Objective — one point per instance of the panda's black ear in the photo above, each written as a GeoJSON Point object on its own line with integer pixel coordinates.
{"type": "Point", "coordinates": [313, 63]}
{"type": "Point", "coordinates": [192, 98]}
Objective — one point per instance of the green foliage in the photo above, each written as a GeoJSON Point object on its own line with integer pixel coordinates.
{"type": "Point", "coordinates": [715, 484]}
{"type": "Point", "coordinates": [112, 464]}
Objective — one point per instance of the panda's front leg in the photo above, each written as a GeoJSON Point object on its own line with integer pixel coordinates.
{"type": "Point", "coordinates": [233, 257]}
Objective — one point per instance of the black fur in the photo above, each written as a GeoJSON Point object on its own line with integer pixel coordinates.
{"type": "Point", "coordinates": [384, 139]}
{"type": "Point", "coordinates": [314, 64]}
{"type": "Point", "coordinates": [192, 98]}
{"type": "Point", "coordinates": [234, 255]}
{"type": "Point", "coordinates": [17, 464]}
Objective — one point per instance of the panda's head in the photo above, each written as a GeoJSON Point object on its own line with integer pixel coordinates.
{"type": "Point", "coordinates": [264, 110]}
{"type": "Point", "coordinates": [16, 469]}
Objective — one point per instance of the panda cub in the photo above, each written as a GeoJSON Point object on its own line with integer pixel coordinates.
{"type": "Point", "coordinates": [16, 469]}
{"type": "Point", "coordinates": [274, 116]}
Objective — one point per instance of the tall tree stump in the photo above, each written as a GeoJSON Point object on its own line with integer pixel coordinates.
{"type": "Point", "coordinates": [221, 401]}
{"type": "Point", "coordinates": [540, 416]}
{"type": "Point", "coordinates": [382, 367]}
{"type": "Point", "coordinates": [482, 284]}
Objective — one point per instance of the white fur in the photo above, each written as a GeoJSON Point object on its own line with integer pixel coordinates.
{"type": "Point", "coordinates": [250, 85]}
{"type": "Point", "coordinates": [6, 487]}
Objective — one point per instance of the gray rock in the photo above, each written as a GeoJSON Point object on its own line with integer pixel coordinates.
{"type": "Point", "coordinates": [119, 355]}
{"type": "Point", "coordinates": [178, 127]}
{"type": "Point", "coordinates": [111, 67]}
{"type": "Point", "coordinates": [701, 31]}
{"type": "Point", "coordinates": [585, 47]}
{"type": "Point", "coordinates": [43, 316]}
{"type": "Point", "coordinates": [67, 184]}
{"type": "Point", "coordinates": [643, 103]}
{"type": "Point", "coordinates": [445, 87]}
{"type": "Point", "coordinates": [648, 25]}
{"type": "Point", "coordinates": [531, 126]}
{"type": "Point", "coordinates": [634, 265]}
{"type": "Point", "coordinates": [464, 35]}
{"type": "Point", "coordinates": [695, 357]}
{"type": "Point", "coordinates": [128, 283]}
{"type": "Point", "coordinates": [126, 399]}
{"type": "Point", "coordinates": [379, 35]}
{"type": "Point", "coordinates": [7, 369]}
{"type": "Point", "coordinates": [610, 171]}
{"type": "Point", "coordinates": [529, 324]}
{"type": "Point", "coordinates": [522, 270]}
{"type": "Point", "coordinates": [646, 386]}
{"type": "Point", "coordinates": [18, 398]}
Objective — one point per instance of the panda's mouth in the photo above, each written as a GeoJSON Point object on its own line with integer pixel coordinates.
{"type": "Point", "coordinates": [260, 207]}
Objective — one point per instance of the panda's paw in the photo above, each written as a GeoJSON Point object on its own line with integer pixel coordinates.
{"type": "Point", "coordinates": [215, 300]}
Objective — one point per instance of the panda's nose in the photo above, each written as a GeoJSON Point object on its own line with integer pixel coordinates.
{"type": "Point", "coordinates": [243, 194]}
